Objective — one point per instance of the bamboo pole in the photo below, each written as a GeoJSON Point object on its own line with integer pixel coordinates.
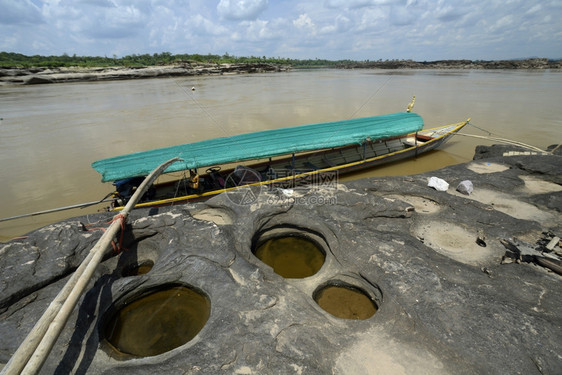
{"type": "Point", "coordinates": [33, 352]}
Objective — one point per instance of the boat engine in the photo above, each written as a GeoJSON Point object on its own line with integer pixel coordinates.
{"type": "Point", "coordinates": [124, 190]}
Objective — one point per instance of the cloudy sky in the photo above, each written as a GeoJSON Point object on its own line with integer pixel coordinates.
{"type": "Point", "coordinates": [332, 29]}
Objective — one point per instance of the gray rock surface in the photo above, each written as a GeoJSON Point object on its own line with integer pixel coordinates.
{"type": "Point", "coordinates": [446, 304]}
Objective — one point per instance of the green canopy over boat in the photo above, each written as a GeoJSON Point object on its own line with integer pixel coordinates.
{"type": "Point", "coordinates": [262, 144]}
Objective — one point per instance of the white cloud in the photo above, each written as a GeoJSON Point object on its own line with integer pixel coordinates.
{"type": "Point", "coordinates": [241, 9]}
{"type": "Point", "coordinates": [336, 29]}
{"type": "Point", "coordinates": [401, 16]}
{"type": "Point", "coordinates": [535, 9]}
{"type": "Point", "coordinates": [503, 23]}
{"type": "Point", "coordinates": [260, 30]}
{"type": "Point", "coordinates": [353, 4]}
{"type": "Point", "coordinates": [99, 3]}
{"type": "Point", "coordinates": [202, 26]}
{"type": "Point", "coordinates": [341, 24]}
{"type": "Point", "coordinates": [304, 22]}
{"type": "Point", "coordinates": [121, 22]}
{"type": "Point", "coordinates": [372, 19]}
{"type": "Point", "coordinates": [451, 13]}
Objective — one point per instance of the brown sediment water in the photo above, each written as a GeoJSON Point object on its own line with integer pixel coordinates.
{"type": "Point", "coordinates": [345, 302]}
{"type": "Point", "coordinates": [292, 257]}
{"type": "Point", "coordinates": [158, 322]}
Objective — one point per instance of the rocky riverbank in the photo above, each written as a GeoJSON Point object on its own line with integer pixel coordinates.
{"type": "Point", "coordinates": [538, 63]}
{"type": "Point", "coordinates": [38, 75]}
{"type": "Point", "coordinates": [462, 284]}
{"type": "Point", "coordinates": [29, 76]}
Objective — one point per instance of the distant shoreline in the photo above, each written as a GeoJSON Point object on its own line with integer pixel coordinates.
{"type": "Point", "coordinates": [41, 75]}
{"type": "Point", "coordinates": [534, 63]}
{"type": "Point", "coordinates": [44, 75]}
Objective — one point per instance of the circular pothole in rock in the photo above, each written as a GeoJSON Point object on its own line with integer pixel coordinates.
{"type": "Point", "coordinates": [292, 253]}
{"type": "Point", "coordinates": [454, 241]}
{"type": "Point", "coordinates": [345, 301]}
{"type": "Point", "coordinates": [137, 269]}
{"type": "Point", "coordinates": [157, 321]}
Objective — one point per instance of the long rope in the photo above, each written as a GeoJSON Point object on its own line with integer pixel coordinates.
{"type": "Point", "coordinates": [203, 108]}
{"type": "Point", "coordinates": [482, 129]}
{"type": "Point", "coordinates": [182, 180]}
{"type": "Point", "coordinates": [335, 131]}
{"type": "Point", "coordinates": [496, 138]}
{"type": "Point", "coordinates": [504, 140]}
{"type": "Point", "coordinates": [116, 247]}
{"type": "Point", "coordinates": [81, 205]}
{"type": "Point", "coordinates": [370, 97]}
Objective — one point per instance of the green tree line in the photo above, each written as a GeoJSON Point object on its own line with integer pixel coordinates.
{"type": "Point", "coordinates": [11, 59]}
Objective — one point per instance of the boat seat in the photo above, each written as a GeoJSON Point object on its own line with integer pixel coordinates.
{"type": "Point", "coordinates": [311, 166]}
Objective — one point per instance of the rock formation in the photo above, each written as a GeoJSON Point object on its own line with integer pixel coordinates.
{"type": "Point", "coordinates": [59, 75]}
{"type": "Point", "coordinates": [453, 296]}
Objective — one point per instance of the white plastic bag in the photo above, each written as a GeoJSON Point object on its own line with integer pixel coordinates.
{"type": "Point", "coordinates": [438, 184]}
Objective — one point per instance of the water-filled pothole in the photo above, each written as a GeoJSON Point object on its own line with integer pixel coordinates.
{"type": "Point", "coordinates": [345, 301]}
{"type": "Point", "coordinates": [157, 321]}
{"type": "Point", "coordinates": [293, 255]}
{"type": "Point", "coordinates": [139, 268]}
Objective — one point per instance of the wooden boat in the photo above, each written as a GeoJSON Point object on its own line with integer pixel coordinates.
{"type": "Point", "coordinates": [285, 157]}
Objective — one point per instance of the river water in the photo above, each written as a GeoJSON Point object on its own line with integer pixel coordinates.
{"type": "Point", "coordinates": [50, 134]}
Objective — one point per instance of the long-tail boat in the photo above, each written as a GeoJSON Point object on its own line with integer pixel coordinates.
{"type": "Point", "coordinates": [284, 157]}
